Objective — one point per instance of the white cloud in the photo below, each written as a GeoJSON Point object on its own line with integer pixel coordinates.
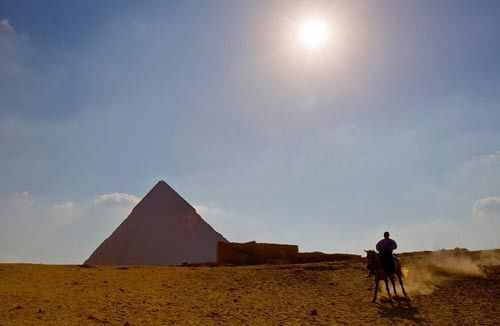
{"type": "Point", "coordinates": [61, 232]}
{"type": "Point", "coordinates": [483, 160]}
{"type": "Point", "coordinates": [5, 25]}
{"type": "Point", "coordinates": [22, 199]}
{"type": "Point", "coordinates": [487, 208]}
{"type": "Point", "coordinates": [117, 198]}
{"type": "Point", "coordinates": [210, 211]}
{"type": "Point", "coordinates": [475, 177]}
{"type": "Point", "coordinates": [64, 206]}
{"type": "Point", "coordinates": [64, 213]}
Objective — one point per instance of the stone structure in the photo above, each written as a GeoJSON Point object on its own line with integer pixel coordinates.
{"type": "Point", "coordinates": [163, 229]}
{"type": "Point", "coordinates": [251, 253]}
{"type": "Point", "coordinates": [316, 257]}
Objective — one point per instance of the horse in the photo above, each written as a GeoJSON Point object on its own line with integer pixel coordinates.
{"type": "Point", "coordinates": [375, 266]}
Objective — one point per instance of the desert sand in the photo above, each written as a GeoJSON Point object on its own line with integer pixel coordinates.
{"type": "Point", "coordinates": [446, 289]}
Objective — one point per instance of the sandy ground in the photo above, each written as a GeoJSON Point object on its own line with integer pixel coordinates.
{"type": "Point", "coordinates": [324, 294]}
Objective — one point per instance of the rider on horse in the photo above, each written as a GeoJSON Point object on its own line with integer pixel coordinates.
{"type": "Point", "coordinates": [384, 266]}
{"type": "Point", "coordinates": [385, 248]}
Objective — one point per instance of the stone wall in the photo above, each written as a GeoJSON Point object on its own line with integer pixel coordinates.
{"type": "Point", "coordinates": [316, 257]}
{"type": "Point", "coordinates": [252, 253]}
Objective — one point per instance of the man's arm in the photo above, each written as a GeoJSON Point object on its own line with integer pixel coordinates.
{"type": "Point", "coordinates": [394, 245]}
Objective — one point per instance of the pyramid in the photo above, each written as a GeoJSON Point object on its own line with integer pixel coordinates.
{"type": "Point", "coordinates": [162, 229]}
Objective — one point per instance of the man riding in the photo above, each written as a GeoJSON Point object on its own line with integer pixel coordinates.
{"type": "Point", "coordinates": [385, 247]}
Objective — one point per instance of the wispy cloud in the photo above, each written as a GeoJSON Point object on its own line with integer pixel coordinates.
{"type": "Point", "coordinates": [33, 229]}
{"type": "Point", "coordinates": [211, 211]}
{"type": "Point", "coordinates": [478, 176]}
{"type": "Point", "coordinates": [67, 205]}
{"type": "Point", "coordinates": [64, 213]}
{"type": "Point", "coordinates": [21, 199]}
{"type": "Point", "coordinates": [117, 198]}
{"type": "Point", "coordinates": [487, 208]}
{"type": "Point", "coordinates": [483, 160]}
{"type": "Point", "coordinates": [6, 25]}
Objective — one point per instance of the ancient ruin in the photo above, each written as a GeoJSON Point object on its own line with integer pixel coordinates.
{"type": "Point", "coordinates": [252, 253]}
{"type": "Point", "coordinates": [162, 229]}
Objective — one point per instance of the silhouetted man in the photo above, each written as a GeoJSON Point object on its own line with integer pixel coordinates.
{"type": "Point", "coordinates": [385, 247]}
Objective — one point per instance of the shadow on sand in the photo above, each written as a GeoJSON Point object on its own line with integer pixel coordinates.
{"type": "Point", "coordinates": [401, 310]}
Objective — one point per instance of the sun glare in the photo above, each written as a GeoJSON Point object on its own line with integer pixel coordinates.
{"type": "Point", "coordinates": [313, 33]}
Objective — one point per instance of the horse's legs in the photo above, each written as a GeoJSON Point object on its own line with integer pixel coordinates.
{"type": "Point", "coordinates": [377, 280]}
{"type": "Point", "coordinates": [387, 289]}
{"type": "Point", "coordinates": [402, 287]}
{"type": "Point", "coordinates": [393, 284]}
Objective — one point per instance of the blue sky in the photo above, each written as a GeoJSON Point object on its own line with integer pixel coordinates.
{"type": "Point", "coordinates": [393, 124]}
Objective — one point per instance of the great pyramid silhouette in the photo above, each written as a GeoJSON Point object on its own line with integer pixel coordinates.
{"type": "Point", "coordinates": [162, 229]}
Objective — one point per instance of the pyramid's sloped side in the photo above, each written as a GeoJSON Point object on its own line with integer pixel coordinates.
{"type": "Point", "coordinates": [192, 241]}
{"type": "Point", "coordinates": [162, 229]}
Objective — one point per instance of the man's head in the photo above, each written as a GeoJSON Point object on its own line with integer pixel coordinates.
{"type": "Point", "coordinates": [386, 235]}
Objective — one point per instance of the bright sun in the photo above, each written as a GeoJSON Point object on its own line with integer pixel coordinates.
{"type": "Point", "coordinates": [313, 33]}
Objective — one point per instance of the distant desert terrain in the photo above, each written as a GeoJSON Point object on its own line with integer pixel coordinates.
{"type": "Point", "coordinates": [447, 288]}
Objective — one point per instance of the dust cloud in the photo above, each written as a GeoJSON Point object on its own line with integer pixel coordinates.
{"type": "Point", "coordinates": [426, 273]}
